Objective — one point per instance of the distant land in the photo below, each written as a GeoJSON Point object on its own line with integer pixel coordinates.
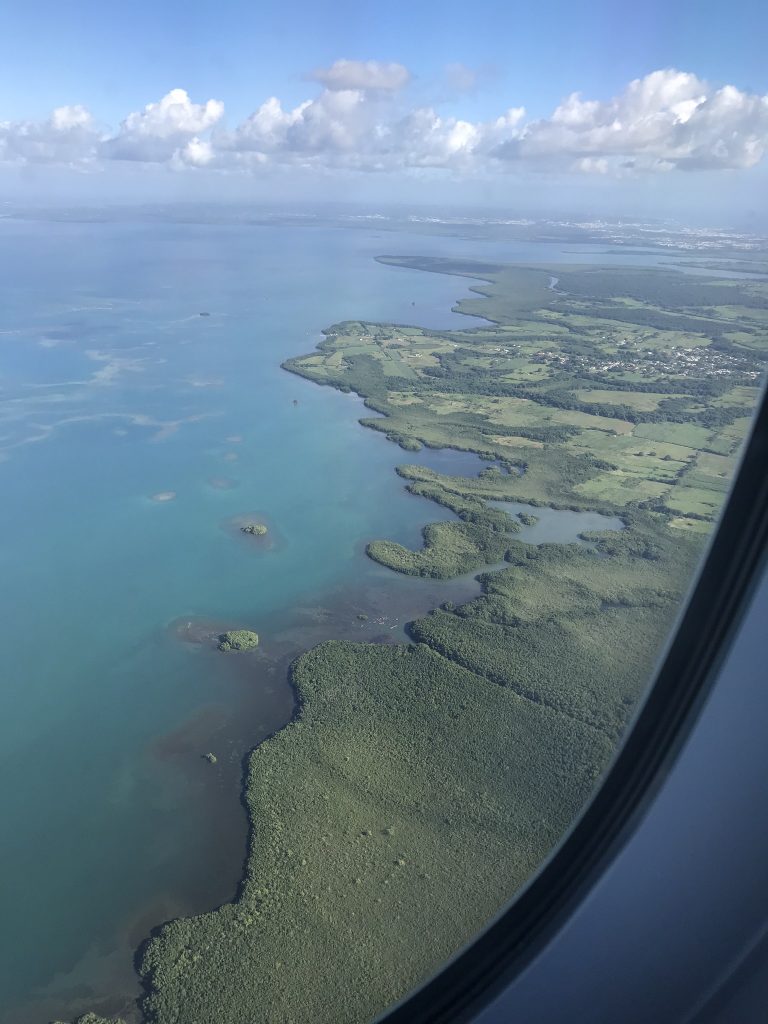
{"type": "Point", "coordinates": [486, 224]}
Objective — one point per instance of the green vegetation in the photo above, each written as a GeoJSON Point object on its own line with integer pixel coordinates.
{"type": "Point", "coordinates": [604, 388]}
{"type": "Point", "coordinates": [401, 770]}
{"type": "Point", "coordinates": [254, 529]}
{"type": "Point", "coordinates": [475, 746]}
{"type": "Point", "coordinates": [527, 519]}
{"type": "Point", "coordinates": [420, 784]}
{"type": "Point", "coordinates": [550, 625]}
{"type": "Point", "coordinates": [238, 640]}
{"type": "Point", "coordinates": [409, 444]}
{"type": "Point", "coordinates": [450, 549]}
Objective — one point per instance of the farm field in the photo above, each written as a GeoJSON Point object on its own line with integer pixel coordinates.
{"type": "Point", "coordinates": [637, 378]}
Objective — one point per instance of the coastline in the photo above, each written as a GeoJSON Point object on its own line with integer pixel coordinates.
{"type": "Point", "coordinates": [632, 553]}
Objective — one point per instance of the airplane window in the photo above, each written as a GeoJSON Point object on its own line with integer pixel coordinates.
{"type": "Point", "coordinates": [372, 383]}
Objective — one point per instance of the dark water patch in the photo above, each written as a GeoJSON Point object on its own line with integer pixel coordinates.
{"type": "Point", "coordinates": [454, 462]}
{"type": "Point", "coordinates": [192, 737]}
{"type": "Point", "coordinates": [250, 700]}
{"type": "Point", "coordinates": [378, 607]}
{"type": "Point", "coordinates": [202, 632]}
{"type": "Point", "coordinates": [557, 526]}
{"type": "Point", "coordinates": [73, 994]}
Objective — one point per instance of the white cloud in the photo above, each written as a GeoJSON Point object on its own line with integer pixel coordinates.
{"type": "Point", "coordinates": [174, 114]}
{"type": "Point", "coordinates": [155, 133]}
{"type": "Point", "coordinates": [425, 139]}
{"type": "Point", "coordinates": [338, 125]}
{"type": "Point", "coordinates": [592, 165]}
{"type": "Point", "coordinates": [267, 128]}
{"type": "Point", "coordinates": [668, 120]}
{"type": "Point", "coordinates": [69, 137]}
{"type": "Point", "coordinates": [65, 118]}
{"type": "Point", "coordinates": [351, 129]}
{"type": "Point", "coordinates": [196, 153]}
{"type": "Point", "coordinates": [363, 74]}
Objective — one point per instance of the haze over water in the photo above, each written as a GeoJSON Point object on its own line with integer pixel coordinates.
{"type": "Point", "coordinates": [115, 389]}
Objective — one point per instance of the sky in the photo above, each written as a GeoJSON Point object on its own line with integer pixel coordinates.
{"type": "Point", "coordinates": [605, 108]}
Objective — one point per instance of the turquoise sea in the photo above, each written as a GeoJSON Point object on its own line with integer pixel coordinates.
{"type": "Point", "coordinates": [113, 388]}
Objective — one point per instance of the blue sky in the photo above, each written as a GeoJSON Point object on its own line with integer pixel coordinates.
{"type": "Point", "coordinates": [113, 57]}
{"type": "Point", "coordinates": [467, 62]}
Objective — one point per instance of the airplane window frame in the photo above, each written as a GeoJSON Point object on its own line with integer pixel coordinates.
{"type": "Point", "coordinates": [682, 683]}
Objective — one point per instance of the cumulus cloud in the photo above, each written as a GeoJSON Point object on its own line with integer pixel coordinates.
{"type": "Point", "coordinates": [350, 129]}
{"type": "Point", "coordinates": [64, 119]}
{"type": "Point", "coordinates": [174, 113]}
{"type": "Point", "coordinates": [196, 153]}
{"type": "Point", "coordinates": [161, 129]}
{"type": "Point", "coordinates": [337, 121]}
{"type": "Point", "coordinates": [363, 74]}
{"type": "Point", "coordinates": [669, 120]}
{"type": "Point", "coordinates": [69, 137]}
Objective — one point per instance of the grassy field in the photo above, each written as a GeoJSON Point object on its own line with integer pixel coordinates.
{"type": "Point", "coordinates": [590, 367]}
{"type": "Point", "coordinates": [420, 784]}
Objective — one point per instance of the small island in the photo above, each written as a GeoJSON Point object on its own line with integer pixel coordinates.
{"type": "Point", "coordinates": [527, 519]}
{"type": "Point", "coordinates": [254, 529]}
{"type": "Point", "coordinates": [238, 640]}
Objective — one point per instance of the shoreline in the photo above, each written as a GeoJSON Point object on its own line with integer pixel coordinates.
{"type": "Point", "coordinates": [261, 838]}
{"type": "Point", "coordinates": [289, 634]}
{"type": "Point", "coordinates": [299, 704]}
{"type": "Point", "coordinates": [426, 638]}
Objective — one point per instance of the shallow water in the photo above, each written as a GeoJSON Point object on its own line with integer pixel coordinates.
{"type": "Point", "coordinates": [558, 525]}
{"type": "Point", "coordinates": [115, 389]}
{"type": "Point", "coordinates": [450, 461]}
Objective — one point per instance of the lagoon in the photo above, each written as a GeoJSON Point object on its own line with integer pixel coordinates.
{"type": "Point", "coordinates": [558, 525]}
